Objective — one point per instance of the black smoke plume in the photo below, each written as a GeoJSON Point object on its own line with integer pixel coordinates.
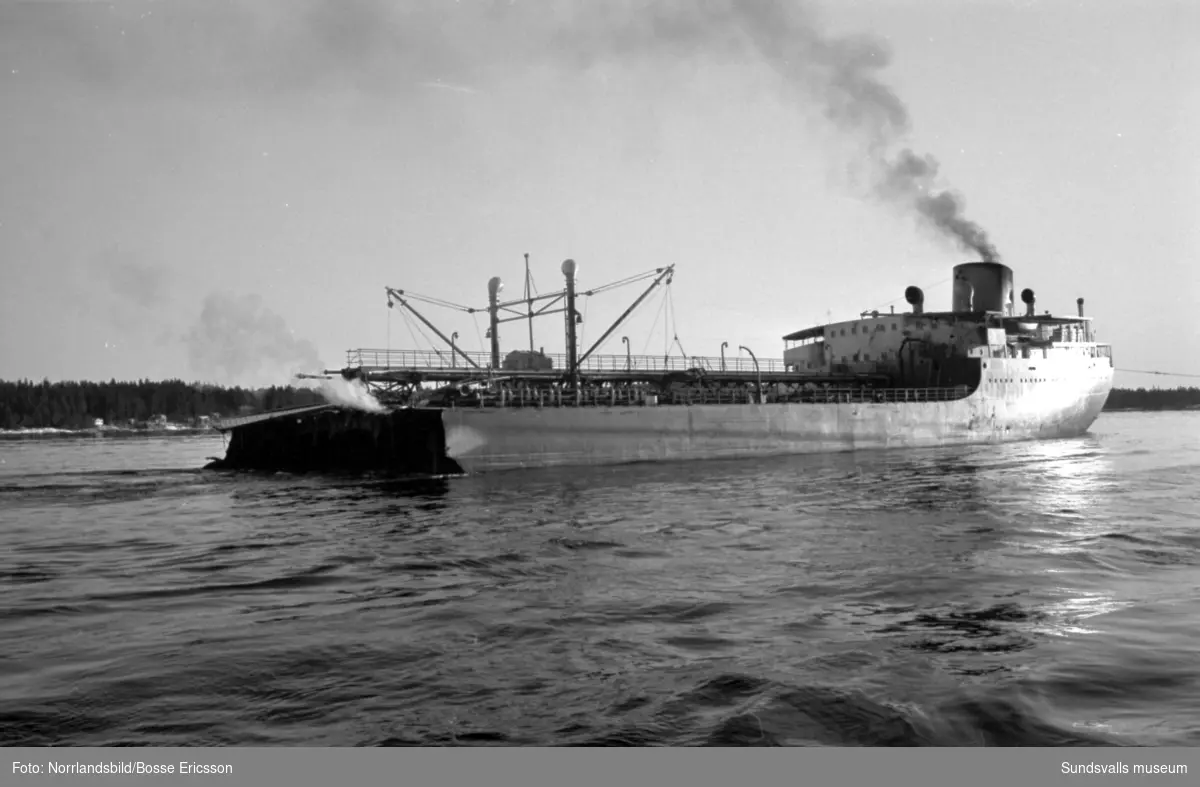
{"type": "Point", "coordinates": [908, 180]}
{"type": "Point", "coordinates": [276, 48]}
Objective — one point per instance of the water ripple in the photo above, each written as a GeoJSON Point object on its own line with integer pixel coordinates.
{"type": "Point", "coordinates": [1023, 595]}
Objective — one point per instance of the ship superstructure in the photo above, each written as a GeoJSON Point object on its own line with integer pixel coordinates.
{"type": "Point", "coordinates": [922, 349]}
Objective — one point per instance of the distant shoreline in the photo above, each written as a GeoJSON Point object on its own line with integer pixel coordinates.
{"type": "Point", "coordinates": [142, 406]}
{"type": "Point", "coordinates": [1180, 409]}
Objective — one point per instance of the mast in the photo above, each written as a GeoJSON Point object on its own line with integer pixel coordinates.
{"type": "Point", "coordinates": [569, 269]}
{"type": "Point", "coordinates": [529, 299]}
{"type": "Point", "coordinates": [494, 287]}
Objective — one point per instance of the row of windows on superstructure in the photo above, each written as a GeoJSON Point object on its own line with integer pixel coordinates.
{"type": "Point", "coordinates": [886, 355]}
{"type": "Point", "coordinates": [1027, 352]}
{"type": "Point", "coordinates": [998, 380]}
{"type": "Point", "coordinates": [880, 327]}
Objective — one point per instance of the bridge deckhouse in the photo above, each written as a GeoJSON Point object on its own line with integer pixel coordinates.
{"type": "Point", "coordinates": [981, 324]}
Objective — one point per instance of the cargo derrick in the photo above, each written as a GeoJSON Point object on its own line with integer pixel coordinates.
{"type": "Point", "coordinates": [452, 377]}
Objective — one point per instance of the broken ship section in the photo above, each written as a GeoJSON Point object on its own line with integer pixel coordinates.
{"type": "Point", "coordinates": [331, 439]}
{"type": "Point", "coordinates": [978, 373]}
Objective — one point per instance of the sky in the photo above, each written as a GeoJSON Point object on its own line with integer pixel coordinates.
{"type": "Point", "coordinates": [221, 190]}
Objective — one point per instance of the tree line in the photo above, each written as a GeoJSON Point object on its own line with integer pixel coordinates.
{"type": "Point", "coordinates": [25, 404]}
{"type": "Point", "coordinates": [1153, 399]}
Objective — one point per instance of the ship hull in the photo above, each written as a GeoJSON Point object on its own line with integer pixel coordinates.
{"type": "Point", "coordinates": [484, 440]}
{"type": "Point", "coordinates": [1010, 403]}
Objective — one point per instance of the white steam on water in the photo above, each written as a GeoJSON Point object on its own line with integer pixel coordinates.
{"type": "Point", "coordinates": [349, 393]}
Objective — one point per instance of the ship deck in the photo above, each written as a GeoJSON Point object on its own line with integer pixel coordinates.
{"type": "Point", "coordinates": [617, 397]}
{"type": "Point", "coordinates": [443, 366]}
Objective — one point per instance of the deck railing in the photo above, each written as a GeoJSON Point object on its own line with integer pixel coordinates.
{"type": "Point", "coordinates": [614, 396]}
{"type": "Point", "coordinates": [445, 359]}
{"type": "Point", "coordinates": [634, 396]}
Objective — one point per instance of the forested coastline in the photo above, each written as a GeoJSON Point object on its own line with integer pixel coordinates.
{"type": "Point", "coordinates": [25, 404]}
{"type": "Point", "coordinates": [1180, 398]}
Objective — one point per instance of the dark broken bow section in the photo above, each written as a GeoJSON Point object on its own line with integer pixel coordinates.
{"type": "Point", "coordinates": [341, 440]}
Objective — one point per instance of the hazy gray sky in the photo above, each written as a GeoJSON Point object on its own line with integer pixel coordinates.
{"type": "Point", "coordinates": [222, 189]}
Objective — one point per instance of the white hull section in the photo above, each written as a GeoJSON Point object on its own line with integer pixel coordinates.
{"type": "Point", "coordinates": [1017, 399]}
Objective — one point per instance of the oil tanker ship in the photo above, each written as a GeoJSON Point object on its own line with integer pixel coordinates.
{"type": "Point", "coordinates": [984, 371]}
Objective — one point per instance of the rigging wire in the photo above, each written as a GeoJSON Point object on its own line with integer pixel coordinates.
{"type": "Point", "coordinates": [435, 301]}
{"type": "Point", "coordinates": [635, 310]}
{"type": "Point", "coordinates": [926, 287]}
{"type": "Point", "coordinates": [674, 325]}
{"type": "Point", "coordinates": [1164, 374]}
{"type": "Point", "coordinates": [668, 318]}
{"type": "Point", "coordinates": [653, 325]}
{"type": "Point", "coordinates": [478, 333]}
{"type": "Point", "coordinates": [474, 312]}
{"type": "Point", "coordinates": [408, 324]}
{"type": "Point", "coordinates": [620, 283]}
{"type": "Point", "coordinates": [432, 345]}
